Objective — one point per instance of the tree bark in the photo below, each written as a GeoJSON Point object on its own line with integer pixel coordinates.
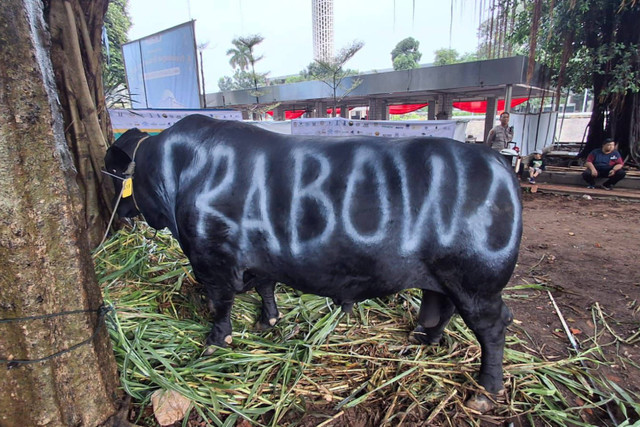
{"type": "Point", "coordinates": [76, 53]}
{"type": "Point", "coordinates": [614, 115]}
{"type": "Point", "coordinates": [46, 263]}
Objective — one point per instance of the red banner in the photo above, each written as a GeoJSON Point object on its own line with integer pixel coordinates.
{"type": "Point", "coordinates": [481, 106]}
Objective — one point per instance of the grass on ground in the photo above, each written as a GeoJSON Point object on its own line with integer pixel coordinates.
{"type": "Point", "coordinates": [317, 361]}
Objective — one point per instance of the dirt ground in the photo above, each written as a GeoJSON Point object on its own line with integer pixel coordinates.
{"type": "Point", "coordinates": [587, 251]}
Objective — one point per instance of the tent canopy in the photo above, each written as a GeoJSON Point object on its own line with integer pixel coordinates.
{"type": "Point", "coordinates": [469, 106]}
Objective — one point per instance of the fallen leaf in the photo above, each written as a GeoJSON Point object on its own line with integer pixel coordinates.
{"type": "Point", "coordinates": [575, 331]}
{"type": "Point", "coordinates": [614, 378]}
{"type": "Point", "coordinates": [169, 406]}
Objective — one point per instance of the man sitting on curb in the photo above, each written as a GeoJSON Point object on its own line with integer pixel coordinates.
{"type": "Point", "coordinates": [604, 162]}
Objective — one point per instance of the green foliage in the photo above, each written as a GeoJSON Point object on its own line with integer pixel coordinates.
{"type": "Point", "coordinates": [226, 83]}
{"type": "Point", "coordinates": [311, 72]}
{"type": "Point", "coordinates": [241, 80]}
{"type": "Point", "coordinates": [603, 43]}
{"type": "Point", "coordinates": [406, 55]}
{"type": "Point", "coordinates": [451, 56]}
{"type": "Point", "coordinates": [332, 71]}
{"type": "Point", "coordinates": [471, 56]}
{"type": "Point", "coordinates": [446, 56]}
{"type": "Point", "coordinates": [404, 62]}
{"type": "Point", "coordinates": [243, 59]}
{"type": "Point", "coordinates": [239, 57]}
{"type": "Point", "coordinates": [592, 44]}
{"type": "Point", "coordinates": [297, 78]}
{"type": "Point", "coordinates": [117, 23]}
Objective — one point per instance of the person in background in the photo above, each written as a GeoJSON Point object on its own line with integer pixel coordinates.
{"type": "Point", "coordinates": [536, 166]}
{"type": "Point", "coordinates": [604, 162]}
{"type": "Point", "coordinates": [501, 135]}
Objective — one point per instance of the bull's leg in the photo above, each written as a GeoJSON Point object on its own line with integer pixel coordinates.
{"type": "Point", "coordinates": [221, 301]}
{"type": "Point", "coordinates": [269, 313]}
{"type": "Point", "coordinates": [436, 310]}
{"type": "Point", "coordinates": [488, 318]}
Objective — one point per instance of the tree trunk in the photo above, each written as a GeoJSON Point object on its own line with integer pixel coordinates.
{"type": "Point", "coordinates": [596, 133]}
{"type": "Point", "coordinates": [46, 263]}
{"type": "Point", "coordinates": [76, 53]}
{"type": "Point", "coordinates": [625, 126]}
{"type": "Point", "coordinates": [634, 127]}
{"type": "Point", "coordinates": [621, 123]}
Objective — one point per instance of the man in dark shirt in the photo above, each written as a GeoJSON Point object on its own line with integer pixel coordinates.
{"type": "Point", "coordinates": [604, 162]}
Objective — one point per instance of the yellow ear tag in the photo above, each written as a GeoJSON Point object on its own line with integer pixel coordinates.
{"type": "Point", "coordinates": [127, 187]}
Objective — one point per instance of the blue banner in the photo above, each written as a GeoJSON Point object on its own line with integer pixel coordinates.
{"type": "Point", "coordinates": [162, 69]}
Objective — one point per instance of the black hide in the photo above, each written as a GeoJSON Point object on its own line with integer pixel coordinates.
{"type": "Point", "coordinates": [349, 218]}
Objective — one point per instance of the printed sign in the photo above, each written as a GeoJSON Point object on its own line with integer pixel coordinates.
{"type": "Point", "coordinates": [155, 121]}
{"type": "Point", "coordinates": [388, 128]}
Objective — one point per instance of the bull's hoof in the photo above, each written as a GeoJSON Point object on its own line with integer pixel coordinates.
{"type": "Point", "coordinates": [480, 403]}
{"type": "Point", "coordinates": [212, 344]}
{"type": "Point", "coordinates": [212, 347]}
{"type": "Point", "coordinates": [347, 308]}
{"type": "Point", "coordinates": [210, 350]}
{"type": "Point", "coordinates": [422, 336]}
{"type": "Point", "coordinates": [261, 325]}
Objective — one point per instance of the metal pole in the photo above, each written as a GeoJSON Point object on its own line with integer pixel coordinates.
{"type": "Point", "coordinates": [204, 92]}
{"type": "Point", "coordinates": [564, 112]}
{"type": "Point", "coordinates": [507, 98]}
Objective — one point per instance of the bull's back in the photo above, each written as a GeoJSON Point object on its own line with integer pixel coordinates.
{"type": "Point", "coordinates": [337, 213]}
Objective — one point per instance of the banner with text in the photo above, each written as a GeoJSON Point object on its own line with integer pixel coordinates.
{"type": "Point", "coordinates": [162, 69]}
{"type": "Point", "coordinates": [155, 121]}
{"type": "Point", "coordinates": [387, 128]}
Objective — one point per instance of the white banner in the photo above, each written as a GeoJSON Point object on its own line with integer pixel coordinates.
{"type": "Point", "coordinates": [387, 128]}
{"type": "Point", "coordinates": [533, 131]}
{"type": "Point", "coordinates": [155, 121]}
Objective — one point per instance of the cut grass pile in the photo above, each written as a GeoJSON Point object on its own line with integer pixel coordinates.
{"type": "Point", "coordinates": [318, 363]}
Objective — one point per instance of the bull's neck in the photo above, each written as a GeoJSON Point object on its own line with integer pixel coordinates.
{"type": "Point", "coordinates": [154, 197]}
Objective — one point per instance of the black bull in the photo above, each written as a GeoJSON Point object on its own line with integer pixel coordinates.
{"type": "Point", "coordinates": [349, 218]}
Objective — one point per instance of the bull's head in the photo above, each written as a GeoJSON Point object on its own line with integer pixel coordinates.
{"type": "Point", "coordinates": [117, 160]}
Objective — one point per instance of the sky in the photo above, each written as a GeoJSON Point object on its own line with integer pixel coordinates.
{"type": "Point", "coordinates": [286, 26]}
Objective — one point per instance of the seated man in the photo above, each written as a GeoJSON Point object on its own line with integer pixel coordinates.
{"type": "Point", "coordinates": [604, 162]}
{"type": "Point", "coordinates": [536, 166]}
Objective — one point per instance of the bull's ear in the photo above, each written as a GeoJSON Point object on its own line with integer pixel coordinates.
{"type": "Point", "coordinates": [116, 159]}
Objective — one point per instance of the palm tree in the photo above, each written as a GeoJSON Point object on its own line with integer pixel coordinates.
{"type": "Point", "coordinates": [243, 57]}
{"type": "Point", "coordinates": [239, 55]}
{"type": "Point", "coordinates": [249, 43]}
